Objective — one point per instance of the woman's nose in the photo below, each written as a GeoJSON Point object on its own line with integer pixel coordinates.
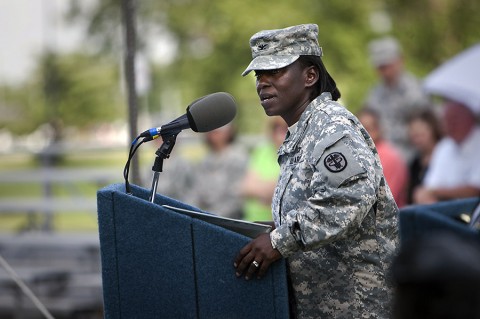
{"type": "Point", "coordinates": [262, 81]}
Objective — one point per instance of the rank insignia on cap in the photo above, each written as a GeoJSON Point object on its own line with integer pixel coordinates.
{"type": "Point", "coordinates": [335, 162]}
{"type": "Point", "coordinates": [278, 48]}
{"type": "Point", "coordinates": [262, 46]}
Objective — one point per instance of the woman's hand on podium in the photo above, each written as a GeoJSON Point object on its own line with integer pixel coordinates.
{"type": "Point", "coordinates": [256, 257]}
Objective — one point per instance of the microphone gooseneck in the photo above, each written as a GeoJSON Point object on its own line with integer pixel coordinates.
{"type": "Point", "coordinates": [203, 115]}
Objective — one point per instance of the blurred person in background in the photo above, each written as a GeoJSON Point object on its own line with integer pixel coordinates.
{"type": "Point", "coordinates": [175, 179]}
{"type": "Point", "coordinates": [397, 94]}
{"type": "Point", "coordinates": [216, 180]}
{"type": "Point", "coordinates": [454, 170]}
{"type": "Point", "coordinates": [262, 173]}
{"type": "Point", "coordinates": [394, 166]}
{"type": "Point", "coordinates": [424, 132]}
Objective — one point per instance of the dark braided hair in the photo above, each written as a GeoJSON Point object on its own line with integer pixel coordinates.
{"type": "Point", "coordinates": [325, 82]}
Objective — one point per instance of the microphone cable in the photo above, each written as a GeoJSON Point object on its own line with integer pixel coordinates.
{"type": "Point", "coordinates": [133, 148]}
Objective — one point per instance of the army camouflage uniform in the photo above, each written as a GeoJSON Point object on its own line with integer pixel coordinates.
{"type": "Point", "coordinates": [216, 182]}
{"type": "Point", "coordinates": [395, 105]}
{"type": "Point", "coordinates": [335, 217]}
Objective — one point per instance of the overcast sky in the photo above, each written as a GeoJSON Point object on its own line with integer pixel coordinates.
{"type": "Point", "coordinates": [27, 27]}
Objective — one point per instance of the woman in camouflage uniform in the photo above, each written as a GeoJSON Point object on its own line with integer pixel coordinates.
{"type": "Point", "coordinates": [335, 216]}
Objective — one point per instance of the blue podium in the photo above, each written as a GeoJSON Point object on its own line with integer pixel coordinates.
{"type": "Point", "coordinates": [421, 220]}
{"type": "Point", "coordinates": [157, 263]}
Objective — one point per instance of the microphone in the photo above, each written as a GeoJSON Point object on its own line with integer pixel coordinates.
{"type": "Point", "coordinates": [203, 115]}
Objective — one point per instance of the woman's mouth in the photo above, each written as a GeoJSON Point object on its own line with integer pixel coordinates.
{"type": "Point", "coordinates": [265, 98]}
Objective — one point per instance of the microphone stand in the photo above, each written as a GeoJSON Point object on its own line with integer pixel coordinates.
{"type": "Point", "coordinates": [162, 153]}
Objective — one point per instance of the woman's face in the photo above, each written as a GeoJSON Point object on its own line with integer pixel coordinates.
{"type": "Point", "coordinates": [285, 92]}
{"type": "Point", "coordinates": [421, 135]}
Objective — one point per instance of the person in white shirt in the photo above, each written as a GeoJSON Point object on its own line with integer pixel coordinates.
{"type": "Point", "coordinates": [454, 170]}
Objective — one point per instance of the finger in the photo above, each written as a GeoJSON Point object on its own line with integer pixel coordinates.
{"type": "Point", "coordinates": [241, 255]}
{"type": "Point", "coordinates": [244, 265]}
{"type": "Point", "coordinates": [238, 260]}
{"type": "Point", "coordinates": [262, 270]}
{"type": "Point", "coordinates": [252, 269]}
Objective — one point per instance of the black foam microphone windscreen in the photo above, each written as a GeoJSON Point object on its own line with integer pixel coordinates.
{"type": "Point", "coordinates": [211, 111]}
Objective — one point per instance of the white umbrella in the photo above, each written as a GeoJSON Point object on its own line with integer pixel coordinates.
{"type": "Point", "coordinates": [458, 79]}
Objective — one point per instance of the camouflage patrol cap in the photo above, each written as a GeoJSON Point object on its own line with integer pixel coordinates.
{"type": "Point", "coordinates": [275, 49]}
{"type": "Point", "coordinates": [384, 51]}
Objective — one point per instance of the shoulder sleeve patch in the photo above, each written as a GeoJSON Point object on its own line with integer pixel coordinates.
{"type": "Point", "coordinates": [339, 162]}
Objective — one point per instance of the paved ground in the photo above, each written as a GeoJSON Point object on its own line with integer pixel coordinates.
{"type": "Point", "coordinates": [62, 270]}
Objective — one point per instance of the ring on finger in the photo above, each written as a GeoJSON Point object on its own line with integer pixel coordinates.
{"type": "Point", "coordinates": [255, 263]}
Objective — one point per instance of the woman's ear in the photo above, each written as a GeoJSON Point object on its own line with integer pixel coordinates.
{"type": "Point", "coordinates": [311, 76]}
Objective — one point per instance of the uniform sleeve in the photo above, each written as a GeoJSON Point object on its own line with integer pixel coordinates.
{"type": "Point", "coordinates": [342, 192]}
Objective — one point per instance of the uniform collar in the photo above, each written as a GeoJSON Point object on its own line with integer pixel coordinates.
{"type": "Point", "coordinates": [296, 131]}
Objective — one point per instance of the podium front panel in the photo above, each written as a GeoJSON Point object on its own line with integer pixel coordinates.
{"type": "Point", "coordinates": [157, 263]}
{"type": "Point", "coordinates": [220, 293]}
{"type": "Point", "coordinates": [145, 259]}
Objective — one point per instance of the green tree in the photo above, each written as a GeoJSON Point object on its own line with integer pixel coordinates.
{"type": "Point", "coordinates": [20, 108]}
{"type": "Point", "coordinates": [433, 31]}
{"type": "Point", "coordinates": [65, 90]}
{"type": "Point", "coordinates": [212, 40]}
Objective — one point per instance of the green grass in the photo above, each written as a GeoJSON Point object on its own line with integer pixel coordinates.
{"type": "Point", "coordinates": [76, 222]}
{"type": "Point", "coordinates": [71, 221]}
{"type": "Point", "coordinates": [20, 190]}
{"type": "Point", "coordinates": [107, 158]}
{"type": "Point", "coordinates": [16, 161]}
{"type": "Point", "coordinates": [62, 222]}
{"type": "Point", "coordinates": [95, 159]}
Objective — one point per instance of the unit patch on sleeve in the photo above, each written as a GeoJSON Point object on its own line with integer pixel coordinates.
{"type": "Point", "coordinates": [335, 162]}
{"type": "Point", "coordinates": [338, 160]}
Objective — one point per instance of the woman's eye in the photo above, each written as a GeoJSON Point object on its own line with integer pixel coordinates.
{"type": "Point", "coordinates": [273, 72]}
{"type": "Point", "coordinates": [267, 72]}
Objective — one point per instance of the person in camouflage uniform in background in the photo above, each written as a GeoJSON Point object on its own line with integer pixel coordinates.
{"type": "Point", "coordinates": [334, 215]}
{"type": "Point", "coordinates": [397, 95]}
